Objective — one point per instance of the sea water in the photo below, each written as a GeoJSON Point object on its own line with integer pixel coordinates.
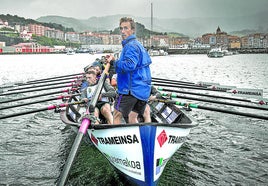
{"type": "Point", "coordinates": [223, 150]}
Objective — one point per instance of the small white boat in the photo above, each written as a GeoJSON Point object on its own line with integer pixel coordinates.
{"type": "Point", "coordinates": [70, 52]}
{"type": "Point", "coordinates": [215, 52]}
{"type": "Point", "coordinates": [157, 52]}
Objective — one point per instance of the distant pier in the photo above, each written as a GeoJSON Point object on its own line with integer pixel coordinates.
{"type": "Point", "coordinates": [205, 51]}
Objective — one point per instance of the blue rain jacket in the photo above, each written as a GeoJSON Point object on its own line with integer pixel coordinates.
{"type": "Point", "coordinates": [133, 71]}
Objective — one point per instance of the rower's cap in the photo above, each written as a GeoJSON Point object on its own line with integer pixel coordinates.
{"type": "Point", "coordinates": [96, 63]}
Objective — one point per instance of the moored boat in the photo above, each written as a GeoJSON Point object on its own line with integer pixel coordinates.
{"type": "Point", "coordinates": [139, 151]}
{"type": "Point", "coordinates": [215, 52]}
{"type": "Point", "coordinates": [70, 52]}
{"type": "Point", "coordinates": [157, 52]}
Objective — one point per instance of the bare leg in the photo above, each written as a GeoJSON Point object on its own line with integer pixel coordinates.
{"type": "Point", "coordinates": [97, 115]}
{"type": "Point", "coordinates": [133, 117]}
{"type": "Point", "coordinates": [107, 113]}
{"type": "Point", "coordinates": [117, 117]}
{"type": "Point", "coordinates": [146, 114]}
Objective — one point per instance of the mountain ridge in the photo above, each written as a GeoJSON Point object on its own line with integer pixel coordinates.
{"type": "Point", "coordinates": [192, 27]}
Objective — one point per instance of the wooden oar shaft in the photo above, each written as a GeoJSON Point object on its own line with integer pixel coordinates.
{"type": "Point", "coordinates": [48, 81]}
{"type": "Point", "coordinates": [175, 83]}
{"type": "Point", "coordinates": [37, 101]}
{"type": "Point", "coordinates": [233, 112]}
{"type": "Point", "coordinates": [40, 89]}
{"type": "Point", "coordinates": [55, 77]}
{"type": "Point", "coordinates": [51, 107]}
{"type": "Point", "coordinates": [187, 87]}
{"type": "Point", "coordinates": [218, 102]}
{"type": "Point", "coordinates": [170, 80]}
{"type": "Point", "coordinates": [38, 95]}
{"type": "Point", "coordinates": [67, 167]}
{"type": "Point", "coordinates": [192, 105]}
{"type": "Point", "coordinates": [29, 103]}
{"type": "Point", "coordinates": [23, 113]}
{"type": "Point", "coordinates": [43, 85]}
{"type": "Point", "coordinates": [201, 94]}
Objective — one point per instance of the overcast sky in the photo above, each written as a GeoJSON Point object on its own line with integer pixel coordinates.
{"type": "Point", "coordinates": [84, 9]}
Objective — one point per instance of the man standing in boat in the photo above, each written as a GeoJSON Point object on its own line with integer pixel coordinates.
{"type": "Point", "coordinates": [133, 75]}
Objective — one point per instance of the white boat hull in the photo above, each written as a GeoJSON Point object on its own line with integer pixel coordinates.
{"type": "Point", "coordinates": [141, 152]}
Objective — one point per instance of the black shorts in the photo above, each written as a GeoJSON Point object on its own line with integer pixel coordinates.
{"type": "Point", "coordinates": [127, 103]}
{"type": "Point", "coordinates": [99, 104]}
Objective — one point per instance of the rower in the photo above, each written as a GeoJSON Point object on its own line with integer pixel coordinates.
{"type": "Point", "coordinates": [103, 105]}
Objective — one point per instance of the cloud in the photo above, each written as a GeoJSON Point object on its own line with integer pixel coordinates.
{"type": "Point", "coordinates": [83, 9]}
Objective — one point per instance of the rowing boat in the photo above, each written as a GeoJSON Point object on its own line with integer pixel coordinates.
{"type": "Point", "coordinates": [139, 151]}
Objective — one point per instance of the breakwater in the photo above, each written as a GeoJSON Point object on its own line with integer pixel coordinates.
{"type": "Point", "coordinates": [205, 51]}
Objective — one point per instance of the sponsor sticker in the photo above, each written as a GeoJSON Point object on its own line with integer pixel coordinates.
{"type": "Point", "coordinates": [162, 138]}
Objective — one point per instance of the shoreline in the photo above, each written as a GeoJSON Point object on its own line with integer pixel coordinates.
{"type": "Point", "coordinates": [170, 51]}
{"type": "Point", "coordinates": [205, 51]}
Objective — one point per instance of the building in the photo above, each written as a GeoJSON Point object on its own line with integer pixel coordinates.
{"type": "Point", "coordinates": [160, 41]}
{"type": "Point", "coordinates": [256, 40]}
{"type": "Point", "coordinates": [221, 39]}
{"type": "Point", "coordinates": [234, 42]}
{"type": "Point", "coordinates": [32, 48]}
{"type": "Point", "coordinates": [38, 30]}
{"type": "Point", "coordinates": [178, 42]}
{"type": "Point", "coordinates": [72, 37]}
{"type": "Point", "coordinates": [26, 35]}
{"type": "Point", "coordinates": [53, 33]}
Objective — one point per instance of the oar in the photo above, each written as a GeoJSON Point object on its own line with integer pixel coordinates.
{"type": "Point", "coordinates": [196, 87]}
{"type": "Point", "coordinates": [260, 102]}
{"type": "Point", "coordinates": [256, 93]}
{"type": "Point", "coordinates": [56, 77]}
{"type": "Point", "coordinates": [51, 107]}
{"type": "Point", "coordinates": [192, 105]}
{"type": "Point", "coordinates": [48, 81]}
{"type": "Point", "coordinates": [200, 83]}
{"type": "Point", "coordinates": [175, 82]}
{"type": "Point", "coordinates": [43, 85]}
{"type": "Point", "coordinates": [38, 101]}
{"type": "Point", "coordinates": [39, 95]}
{"type": "Point", "coordinates": [242, 92]}
{"type": "Point", "coordinates": [215, 101]}
{"type": "Point", "coordinates": [10, 85]}
{"type": "Point", "coordinates": [40, 89]}
{"type": "Point", "coordinates": [170, 80]}
{"type": "Point", "coordinates": [82, 129]}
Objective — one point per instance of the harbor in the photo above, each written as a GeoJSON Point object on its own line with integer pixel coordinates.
{"type": "Point", "coordinates": [223, 150]}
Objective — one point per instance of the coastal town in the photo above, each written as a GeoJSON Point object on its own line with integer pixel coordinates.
{"type": "Point", "coordinates": [90, 42]}
{"type": "Point", "coordinates": [155, 93]}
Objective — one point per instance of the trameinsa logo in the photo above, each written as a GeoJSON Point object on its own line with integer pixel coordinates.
{"type": "Point", "coordinates": [162, 138]}
{"type": "Point", "coordinates": [176, 139]}
{"type": "Point", "coordinates": [115, 140]}
{"type": "Point", "coordinates": [118, 140]}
